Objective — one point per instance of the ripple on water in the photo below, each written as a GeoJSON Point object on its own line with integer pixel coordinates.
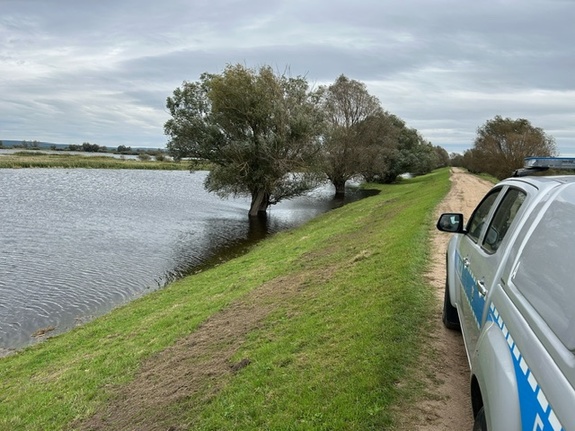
{"type": "Point", "coordinates": [76, 243]}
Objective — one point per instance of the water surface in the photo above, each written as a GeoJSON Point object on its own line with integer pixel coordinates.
{"type": "Point", "coordinates": [75, 243]}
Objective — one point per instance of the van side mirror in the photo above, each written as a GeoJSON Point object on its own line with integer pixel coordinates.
{"type": "Point", "coordinates": [451, 222]}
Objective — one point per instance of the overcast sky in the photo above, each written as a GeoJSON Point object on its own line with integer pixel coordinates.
{"type": "Point", "coordinates": [100, 71]}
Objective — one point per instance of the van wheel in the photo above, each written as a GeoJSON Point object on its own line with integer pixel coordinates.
{"type": "Point", "coordinates": [480, 422]}
{"type": "Point", "coordinates": [450, 317]}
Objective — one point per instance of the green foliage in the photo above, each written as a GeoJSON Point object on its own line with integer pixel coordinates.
{"type": "Point", "coordinates": [122, 149]}
{"type": "Point", "coordinates": [88, 148]}
{"type": "Point", "coordinates": [255, 127]}
{"type": "Point", "coordinates": [360, 138]}
{"type": "Point", "coordinates": [502, 144]}
{"type": "Point", "coordinates": [416, 155]}
{"type": "Point", "coordinates": [347, 106]}
{"type": "Point", "coordinates": [442, 157]}
{"type": "Point", "coordinates": [28, 145]}
{"type": "Point", "coordinates": [405, 152]}
{"type": "Point", "coordinates": [334, 352]}
{"type": "Point", "coordinates": [378, 158]}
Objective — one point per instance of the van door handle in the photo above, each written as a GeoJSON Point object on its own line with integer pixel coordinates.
{"type": "Point", "coordinates": [481, 288]}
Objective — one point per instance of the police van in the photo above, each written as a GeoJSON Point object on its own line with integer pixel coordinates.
{"type": "Point", "coordinates": [510, 288]}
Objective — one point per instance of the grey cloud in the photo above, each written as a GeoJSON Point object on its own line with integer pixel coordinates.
{"type": "Point", "coordinates": [101, 71]}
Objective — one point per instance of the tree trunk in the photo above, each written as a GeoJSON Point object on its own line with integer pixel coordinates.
{"type": "Point", "coordinates": [260, 203]}
{"type": "Point", "coordinates": [339, 187]}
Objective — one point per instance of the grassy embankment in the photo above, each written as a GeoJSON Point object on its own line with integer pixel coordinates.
{"type": "Point", "coordinates": [346, 313]}
{"type": "Point", "coordinates": [34, 159]}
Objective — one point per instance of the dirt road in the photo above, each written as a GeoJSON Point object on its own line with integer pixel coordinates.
{"type": "Point", "coordinates": [447, 405]}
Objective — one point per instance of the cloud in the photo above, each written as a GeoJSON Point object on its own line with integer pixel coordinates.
{"type": "Point", "coordinates": [101, 71]}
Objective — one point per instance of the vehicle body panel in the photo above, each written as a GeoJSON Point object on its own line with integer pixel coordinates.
{"type": "Point", "coordinates": [523, 360]}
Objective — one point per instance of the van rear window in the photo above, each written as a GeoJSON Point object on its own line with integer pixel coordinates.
{"type": "Point", "coordinates": [545, 273]}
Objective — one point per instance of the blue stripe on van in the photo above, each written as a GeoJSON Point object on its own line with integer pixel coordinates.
{"type": "Point", "coordinates": [469, 282]}
{"type": "Point", "coordinates": [536, 412]}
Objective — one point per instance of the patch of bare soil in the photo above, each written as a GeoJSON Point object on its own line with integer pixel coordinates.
{"type": "Point", "coordinates": [193, 369]}
{"type": "Point", "coordinates": [445, 370]}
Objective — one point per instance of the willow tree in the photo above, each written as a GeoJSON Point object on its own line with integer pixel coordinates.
{"type": "Point", "coordinates": [347, 106]}
{"type": "Point", "coordinates": [259, 129]}
{"type": "Point", "coordinates": [502, 144]}
{"type": "Point", "coordinates": [379, 149]}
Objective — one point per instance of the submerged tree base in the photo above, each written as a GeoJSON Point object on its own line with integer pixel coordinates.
{"type": "Point", "coordinates": [260, 203]}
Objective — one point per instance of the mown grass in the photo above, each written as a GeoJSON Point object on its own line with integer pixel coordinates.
{"type": "Point", "coordinates": [488, 177]}
{"type": "Point", "coordinates": [31, 159]}
{"type": "Point", "coordinates": [334, 356]}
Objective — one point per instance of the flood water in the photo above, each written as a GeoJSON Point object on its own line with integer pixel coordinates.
{"type": "Point", "coordinates": [75, 243]}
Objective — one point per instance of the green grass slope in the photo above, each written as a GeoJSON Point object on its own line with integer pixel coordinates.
{"type": "Point", "coordinates": [313, 329]}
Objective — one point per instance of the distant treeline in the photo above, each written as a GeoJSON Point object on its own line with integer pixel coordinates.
{"type": "Point", "coordinates": [85, 147]}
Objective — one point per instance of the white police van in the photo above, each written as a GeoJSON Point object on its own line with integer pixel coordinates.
{"type": "Point", "coordinates": [511, 290]}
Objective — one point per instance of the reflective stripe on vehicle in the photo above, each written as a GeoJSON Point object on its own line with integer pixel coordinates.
{"type": "Point", "coordinates": [469, 282]}
{"type": "Point", "coordinates": [536, 412]}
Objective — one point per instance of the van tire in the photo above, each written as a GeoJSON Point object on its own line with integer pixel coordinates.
{"type": "Point", "coordinates": [449, 316]}
{"type": "Point", "coordinates": [480, 422]}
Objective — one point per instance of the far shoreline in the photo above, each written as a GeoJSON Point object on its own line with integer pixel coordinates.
{"type": "Point", "coordinates": [41, 159]}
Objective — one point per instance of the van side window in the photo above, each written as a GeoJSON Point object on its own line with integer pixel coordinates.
{"type": "Point", "coordinates": [544, 271]}
{"type": "Point", "coordinates": [478, 218]}
{"type": "Point", "coordinates": [502, 219]}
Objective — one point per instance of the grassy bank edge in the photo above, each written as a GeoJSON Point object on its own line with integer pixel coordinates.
{"type": "Point", "coordinates": [30, 159]}
{"type": "Point", "coordinates": [353, 331]}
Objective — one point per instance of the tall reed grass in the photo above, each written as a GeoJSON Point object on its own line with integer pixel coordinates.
{"type": "Point", "coordinates": [28, 159]}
